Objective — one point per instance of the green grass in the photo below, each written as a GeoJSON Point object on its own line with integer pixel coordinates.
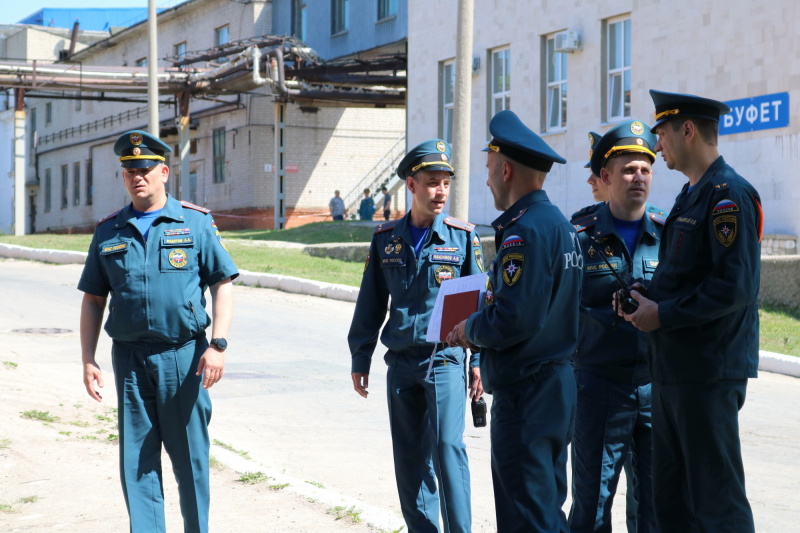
{"type": "Point", "coordinates": [42, 416]}
{"type": "Point", "coordinates": [293, 262]}
{"type": "Point", "coordinates": [10, 364]}
{"type": "Point", "coordinates": [278, 486]}
{"type": "Point", "coordinates": [343, 512]}
{"type": "Point", "coordinates": [251, 478]}
{"type": "Point", "coordinates": [780, 330]}
{"type": "Point", "coordinates": [5, 443]}
{"type": "Point", "coordinates": [316, 233]}
{"type": "Point", "coordinates": [52, 241]}
{"type": "Point", "coordinates": [230, 448]}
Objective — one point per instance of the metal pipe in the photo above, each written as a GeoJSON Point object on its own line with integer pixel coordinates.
{"type": "Point", "coordinates": [152, 67]}
{"type": "Point", "coordinates": [459, 197]}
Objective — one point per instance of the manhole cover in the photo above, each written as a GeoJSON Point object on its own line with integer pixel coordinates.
{"type": "Point", "coordinates": [42, 331]}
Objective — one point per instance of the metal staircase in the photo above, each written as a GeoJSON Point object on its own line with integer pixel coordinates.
{"type": "Point", "coordinates": [382, 174]}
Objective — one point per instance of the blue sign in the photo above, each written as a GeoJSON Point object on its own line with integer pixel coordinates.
{"type": "Point", "coordinates": [756, 113]}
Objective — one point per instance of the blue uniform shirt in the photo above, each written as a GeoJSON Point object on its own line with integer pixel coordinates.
{"type": "Point", "coordinates": [451, 249]}
{"type": "Point", "coordinates": [156, 284]}
{"type": "Point", "coordinates": [707, 281]}
{"type": "Point", "coordinates": [608, 345]}
{"type": "Point", "coordinates": [533, 293]}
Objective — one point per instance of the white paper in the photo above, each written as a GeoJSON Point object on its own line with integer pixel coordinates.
{"type": "Point", "coordinates": [476, 282]}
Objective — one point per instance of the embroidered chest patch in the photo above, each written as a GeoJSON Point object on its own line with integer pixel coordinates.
{"type": "Point", "coordinates": [512, 268]}
{"type": "Point", "coordinates": [443, 273]}
{"type": "Point", "coordinates": [488, 296]}
{"type": "Point", "coordinates": [178, 258]}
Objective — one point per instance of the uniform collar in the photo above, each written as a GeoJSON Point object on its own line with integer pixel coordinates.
{"type": "Point", "coordinates": [403, 228]}
{"type": "Point", "coordinates": [604, 224]}
{"type": "Point", "coordinates": [172, 210]}
{"type": "Point", "coordinates": [510, 215]}
{"type": "Point", "coordinates": [710, 172]}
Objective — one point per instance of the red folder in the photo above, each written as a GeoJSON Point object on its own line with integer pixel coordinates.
{"type": "Point", "coordinates": [457, 307]}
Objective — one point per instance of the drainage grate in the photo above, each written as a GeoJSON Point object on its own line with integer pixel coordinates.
{"type": "Point", "coordinates": [42, 331]}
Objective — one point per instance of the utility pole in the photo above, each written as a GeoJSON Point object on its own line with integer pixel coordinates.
{"type": "Point", "coordinates": [152, 67]}
{"type": "Point", "coordinates": [462, 97]}
{"type": "Point", "coordinates": [19, 162]}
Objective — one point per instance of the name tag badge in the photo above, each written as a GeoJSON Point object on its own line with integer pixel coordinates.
{"type": "Point", "coordinates": [113, 247]}
{"type": "Point", "coordinates": [445, 258]}
{"type": "Point", "coordinates": [177, 241]}
{"type": "Point", "coordinates": [393, 261]}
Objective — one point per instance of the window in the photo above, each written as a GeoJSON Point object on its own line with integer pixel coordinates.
{"type": "Point", "coordinates": [556, 75]}
{"type": "Point", "coordinates": [179, 50]}
{"type": "Point", "coordinates": [76, 184]}
{"type": "Point", "coordinates": [32, 141]}
{"type": "Point", "coordinates": [48, 186]}
{"type": "Point", "coordinates": [89, 184]}
{"type": "Point", "coordinates": [386, 9]}
{"type": "Point", "coordinates": [64, 186]}
{"type": "Point", "coordinates": [447, 82]}
{"type": "Point", "coordinates": [339, 16]}
{"type": "Point", "coordinates": [219, 155]}
{"type": "Point", "coordinates": [221, 38]}
{"type": "Point", "coordinates": [618, 68]}
{"type": "Point", "coordinates": [299, 19]}
{"type": "Point", "coordinates": [141, 62]}
{"type": "Point", "coordinates": [48, 113]}
{"type": "Point", "coordinates": [499, 83]}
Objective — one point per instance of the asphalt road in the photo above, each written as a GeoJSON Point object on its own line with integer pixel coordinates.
{"type": "Point", "coordinates": [287, 399]}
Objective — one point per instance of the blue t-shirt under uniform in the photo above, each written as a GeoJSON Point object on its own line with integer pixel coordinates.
{"type": "Point", "coordinates": [628, 230]}
{"type": "Point", "coordinates": [418, 234]}
{"type": "Point", "coordinates": [144, 219]}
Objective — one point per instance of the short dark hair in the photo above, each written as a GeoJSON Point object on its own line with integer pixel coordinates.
{"type": "Point", "coordinates": [708, 129]}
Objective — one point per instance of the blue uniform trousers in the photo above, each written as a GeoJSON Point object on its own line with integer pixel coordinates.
{"type": "Point", "coordinates": [161, 400]}
{"type": "Point", "coordinates": [698, 476]}
{"type": "Point", "coordinates": [427, 424]}
{"type": "Point", "coordinates": [611, 420]}
{"type": "Point", "coordinates": [531, 427]}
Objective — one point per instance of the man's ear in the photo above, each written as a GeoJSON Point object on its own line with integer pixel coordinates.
{"type": "Point", "coordinates": [164, 173]}
{"type": "Point", "coordinates": [506, 169]}
{"type": "Point", "coordinates": [411, 184]}
{"type": "Point", "coordinates": [605, 176]}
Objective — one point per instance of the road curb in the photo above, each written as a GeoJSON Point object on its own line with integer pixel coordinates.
{"type": "Point", "coordinates": [768, 361]}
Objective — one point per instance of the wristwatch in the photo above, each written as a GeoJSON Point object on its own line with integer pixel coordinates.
{"type": "Point", "coordinates": [220, 344]}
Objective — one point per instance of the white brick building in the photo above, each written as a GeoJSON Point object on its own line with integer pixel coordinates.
{"type": "Point", "coordinates": [78, 177]}
{"type": "Point", "coordinates": [724, 50]}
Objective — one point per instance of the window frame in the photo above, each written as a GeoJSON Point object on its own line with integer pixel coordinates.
{"type": "Point", "coordinates": [176, 50]}
{"type": "Point", "coordinates": [64, 186]}
{"type": "Point", "coordinates": [76, 183]}
{"type": "Point", "coordinates": [618, 73]}
{"type": "Point", "coordinates": [218, 139]}
{"type": "Point", "coordinates": [558, 81]}
{"type": "Point", "coordinates": [340, 17]}
{"type": "Point", "coordinates": [299, 18]}
{"type": "Point", "coordinates": [446, 108]}
{"type": "Point", "coordinates": [505, 94]}
{"type": "Point", "coordinates": [89, 184]}
{"type": "Point", "coordinates": [387, 9]}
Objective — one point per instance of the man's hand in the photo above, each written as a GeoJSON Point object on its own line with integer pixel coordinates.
{"type": "Point", "coordinates": [645, 318]}
{"type": "Point", "coordinates": [475, 384]}
{"type": "Point", "coordinates": [212, 366]}
{"type": "Point", "coordinates": [458, 337]}
{"type": "Point", "coordinates": [92, 374]}
{"type": "Point", "coordinates": [361, 383]}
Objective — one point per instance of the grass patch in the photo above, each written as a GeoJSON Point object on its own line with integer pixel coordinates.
{"type": "Point", "coordinates": [52, 241]}
{"type": "Point", "coordinates": [278, 486]}
{"type": "Point", "coordinates": [65, 433]}
{"type": "Point", "coordinates": [231, 449]}
{"type": "Point", "coordinates": [112, 437]}
{"type": "Point", "coordinates": [215, 463]}
{"type": "Point", "coordinates": [42, 416]}
{"type": "Point", "coordinates": [104, 418]}
{"type": "Point", "coordinates": [251, 478]}
{"type": "Point", "coordinates": [88, 437]}
{"type": "Point", "coordinates": [343, 512]}
{"type": "Point", "coordinates": [780, 329]}
{"type": "Point", "coordinates": [315, 233]}
{"type": "Point", "coordinates": [9, 364]}
{"type": "Point", "coordinates": [5, 443]}
{"type": "Point", "coordinates": [80, 423]}
{"type": "Point", "coordinates": [294, 262]}
{"type": "Point", "coordinates": [6, 508]}
{"type": "Point", "coordinates": [28, 499]}
{"type": "Point", "coordinates": [316, 484]}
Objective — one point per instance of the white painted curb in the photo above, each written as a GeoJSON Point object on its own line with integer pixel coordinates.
{"type": "Point", "coordinates": [779, 363]}
{"type": "Point", "coordinates": [47, 256]}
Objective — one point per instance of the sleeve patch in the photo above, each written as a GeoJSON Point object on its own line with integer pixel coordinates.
{"type": "Point", "coordinates": [511, 241]}
{"type": "Point", "coordinates": [725, 229]}
{"type": "Point", "coordinates": [724, 206]}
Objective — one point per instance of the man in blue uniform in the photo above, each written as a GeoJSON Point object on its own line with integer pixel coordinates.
{"type": "Point", "coordinates": [156, 257]}
{"type": "Point", "coordinates": [611, 361]}
{"type": "Point", "coordinates": [599, 189]}
{"type": "Point", "coordinates": [408, 260]}
{"type": "Point", "coordinates": [702, 312]}
{"type": "Point", "coordinates": [527, 332]}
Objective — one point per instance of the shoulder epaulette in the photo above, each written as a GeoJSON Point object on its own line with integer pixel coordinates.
{"type": "Point", "coordinates": [460, 224]}
{"type": "Point", "coordinates": [585, 222]}
{"type": "Point", "coordinates": [190, 205]}
{"type": "Point", "coordinates": [589, 209]}
{"type": "Point", "coordinates": [380, 228]}
{"type": "Point", "coordinates": [658, 218]}
{"type": "Point", "coordinates": [108, 217]}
